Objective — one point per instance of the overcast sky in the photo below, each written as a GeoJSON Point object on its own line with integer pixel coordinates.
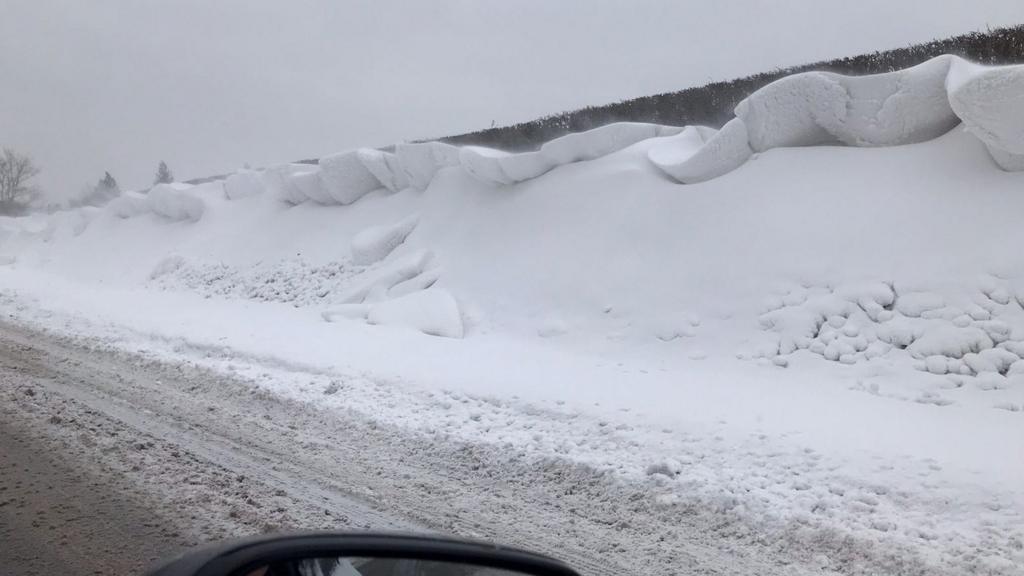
{"type": "Point", "coordinates": [208, 85]}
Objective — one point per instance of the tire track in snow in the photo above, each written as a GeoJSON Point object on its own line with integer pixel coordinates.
{"type": "Point", "coordinates": [149, 400]}
{"type": "Point", "coordinates": [587, 517]}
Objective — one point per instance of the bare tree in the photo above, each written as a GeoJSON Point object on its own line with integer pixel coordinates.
{"type": "Point", "coordinates": [16, 170]}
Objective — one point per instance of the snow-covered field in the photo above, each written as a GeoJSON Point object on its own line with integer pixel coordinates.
{"type": "Point", "coordinates": [824, 340]}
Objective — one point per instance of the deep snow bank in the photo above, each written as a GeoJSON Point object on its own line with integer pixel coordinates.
{"type": "Point", "coordinates": [815, 108]}
{"type": "Point", "coordinates": [786, 304]}
{"type": "Point", "coordinates": [498, 167]}
{"type": "Point", "coordinates": [897, 108]}
{"type": "Point", "coordinates": [901, 107]}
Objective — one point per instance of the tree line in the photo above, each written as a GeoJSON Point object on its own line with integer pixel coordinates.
{"type": "Point", "coordinates": [18, 193]}
{"type": "Point", "coordinates": [712, 104]}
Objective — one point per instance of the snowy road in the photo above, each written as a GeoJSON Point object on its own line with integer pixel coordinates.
{"type": "Point", "coordinates": [56, 518]}
{"type": "Point", "coordinates": [218, 454]}
{"type": "Point", "coordinates": [217, 457]}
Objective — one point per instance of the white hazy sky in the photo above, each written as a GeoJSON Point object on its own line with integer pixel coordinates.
{"type": "Point", "coordinates": [208, 85]}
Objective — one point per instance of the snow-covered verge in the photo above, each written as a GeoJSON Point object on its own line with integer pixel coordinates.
{"type": "Point", "coordinates": [827, 339]}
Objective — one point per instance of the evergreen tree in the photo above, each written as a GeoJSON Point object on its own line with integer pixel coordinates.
{"type": "Point", "coordinates": [109, 183]}
{"type": "Point", "coordinates": [105, 190]}
{"type": "Point", "coordinates": [163, 174]}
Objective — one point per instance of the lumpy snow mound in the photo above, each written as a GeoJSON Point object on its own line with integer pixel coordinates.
{"type": "Point", "coordinates": [174, 201]}
{"type": "Point", "coordinates": [432, 311]}
{"type": "Point", "coordinates": [129, 204]}
{"type": "Point", "coordinates": [243, 184]}
{"type": "Point", "coordinates": [280, 181]}
{"type": "Point", "coordinates": [422, 161]}
{"type": "Point", "coordinates": [375, 243]}
{"type": "Point", "coordinates": [385, 167]}
{"type": "Point", "coordinates": [345, 178]}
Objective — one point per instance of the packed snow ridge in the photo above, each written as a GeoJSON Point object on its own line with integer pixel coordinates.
{"type": "Point", "coordinates": [808, 109]}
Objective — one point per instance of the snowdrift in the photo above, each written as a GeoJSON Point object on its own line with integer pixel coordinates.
{"type": "Point", "coordinates": [422, 161]}
{"type": "Point", "coordinates": [243, 184]}
{"type": "Point", "coordinates": [174, 201]}
{"type": "Point", "coordinates": [128, 205]}
{"type": "Point", "coordinates": [780, 307]}
{"type": "Point", "coordinates": [991, 103]}
{"type": "Point", "coordinates": [375, 243]}
{"type": "Point", "coordinates": [700, 153]}
{"type": "Point", "coordinates": [901, 107]}
{"type": "Point", "coordinates": [345, 178]}
{"type": "Point", "coordinates": [498, 167]}
{"type": "Point", "coordinates": [385, 167]}
{"type": "Point", "coordinates": [897, 108]}
{"type": "Point", "coordinates": [280, 181]}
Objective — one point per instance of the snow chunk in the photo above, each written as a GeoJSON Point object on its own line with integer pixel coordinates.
{"type": "Point", "coordinates": [991, 360]}
{"type": "Point", "coordinates": [1016, 369]}
{"type": "Point", "coordinates": [1014, 346]}
{"type": "Point", "coordinates": [937, 364]}
{"type": "Point", "coordinates": [914, 304]}
{"type": "Point", "coordinates": [385, 167]}
{"type": "Point", "coordinates": [991, 381]}
{"type": "Point", "coordinates": [997, 330]}
{"type": "Point", "coordinates": [375, 243]}
{"type": "Point", "coordinates": [669, 467]}
{"type": "Point", "coordinates": [432, 311]}
{"type": "Point", "coordinates": [422, 281]}
{"type": "Point", "coordinates": [949, 341]}
{"type": "Point", "coordinates": [279, 181]}
{"type": "Point", "coordinates": [699, 153]}
{"type": "Point", "coordinates": [345, 178]}
{"type": "Point", "coordinates": [376, 289]}
{"type": "Point", "coordinates": [243, 184]}
{"type": "Point", "coordinates": [421, 161]}
{"type": "Point", "coordinates": [309, 186]}
{"type": "Point", "coordinates": [989, 102]}
{"type": "Point", "coordinates": [174, 201]}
